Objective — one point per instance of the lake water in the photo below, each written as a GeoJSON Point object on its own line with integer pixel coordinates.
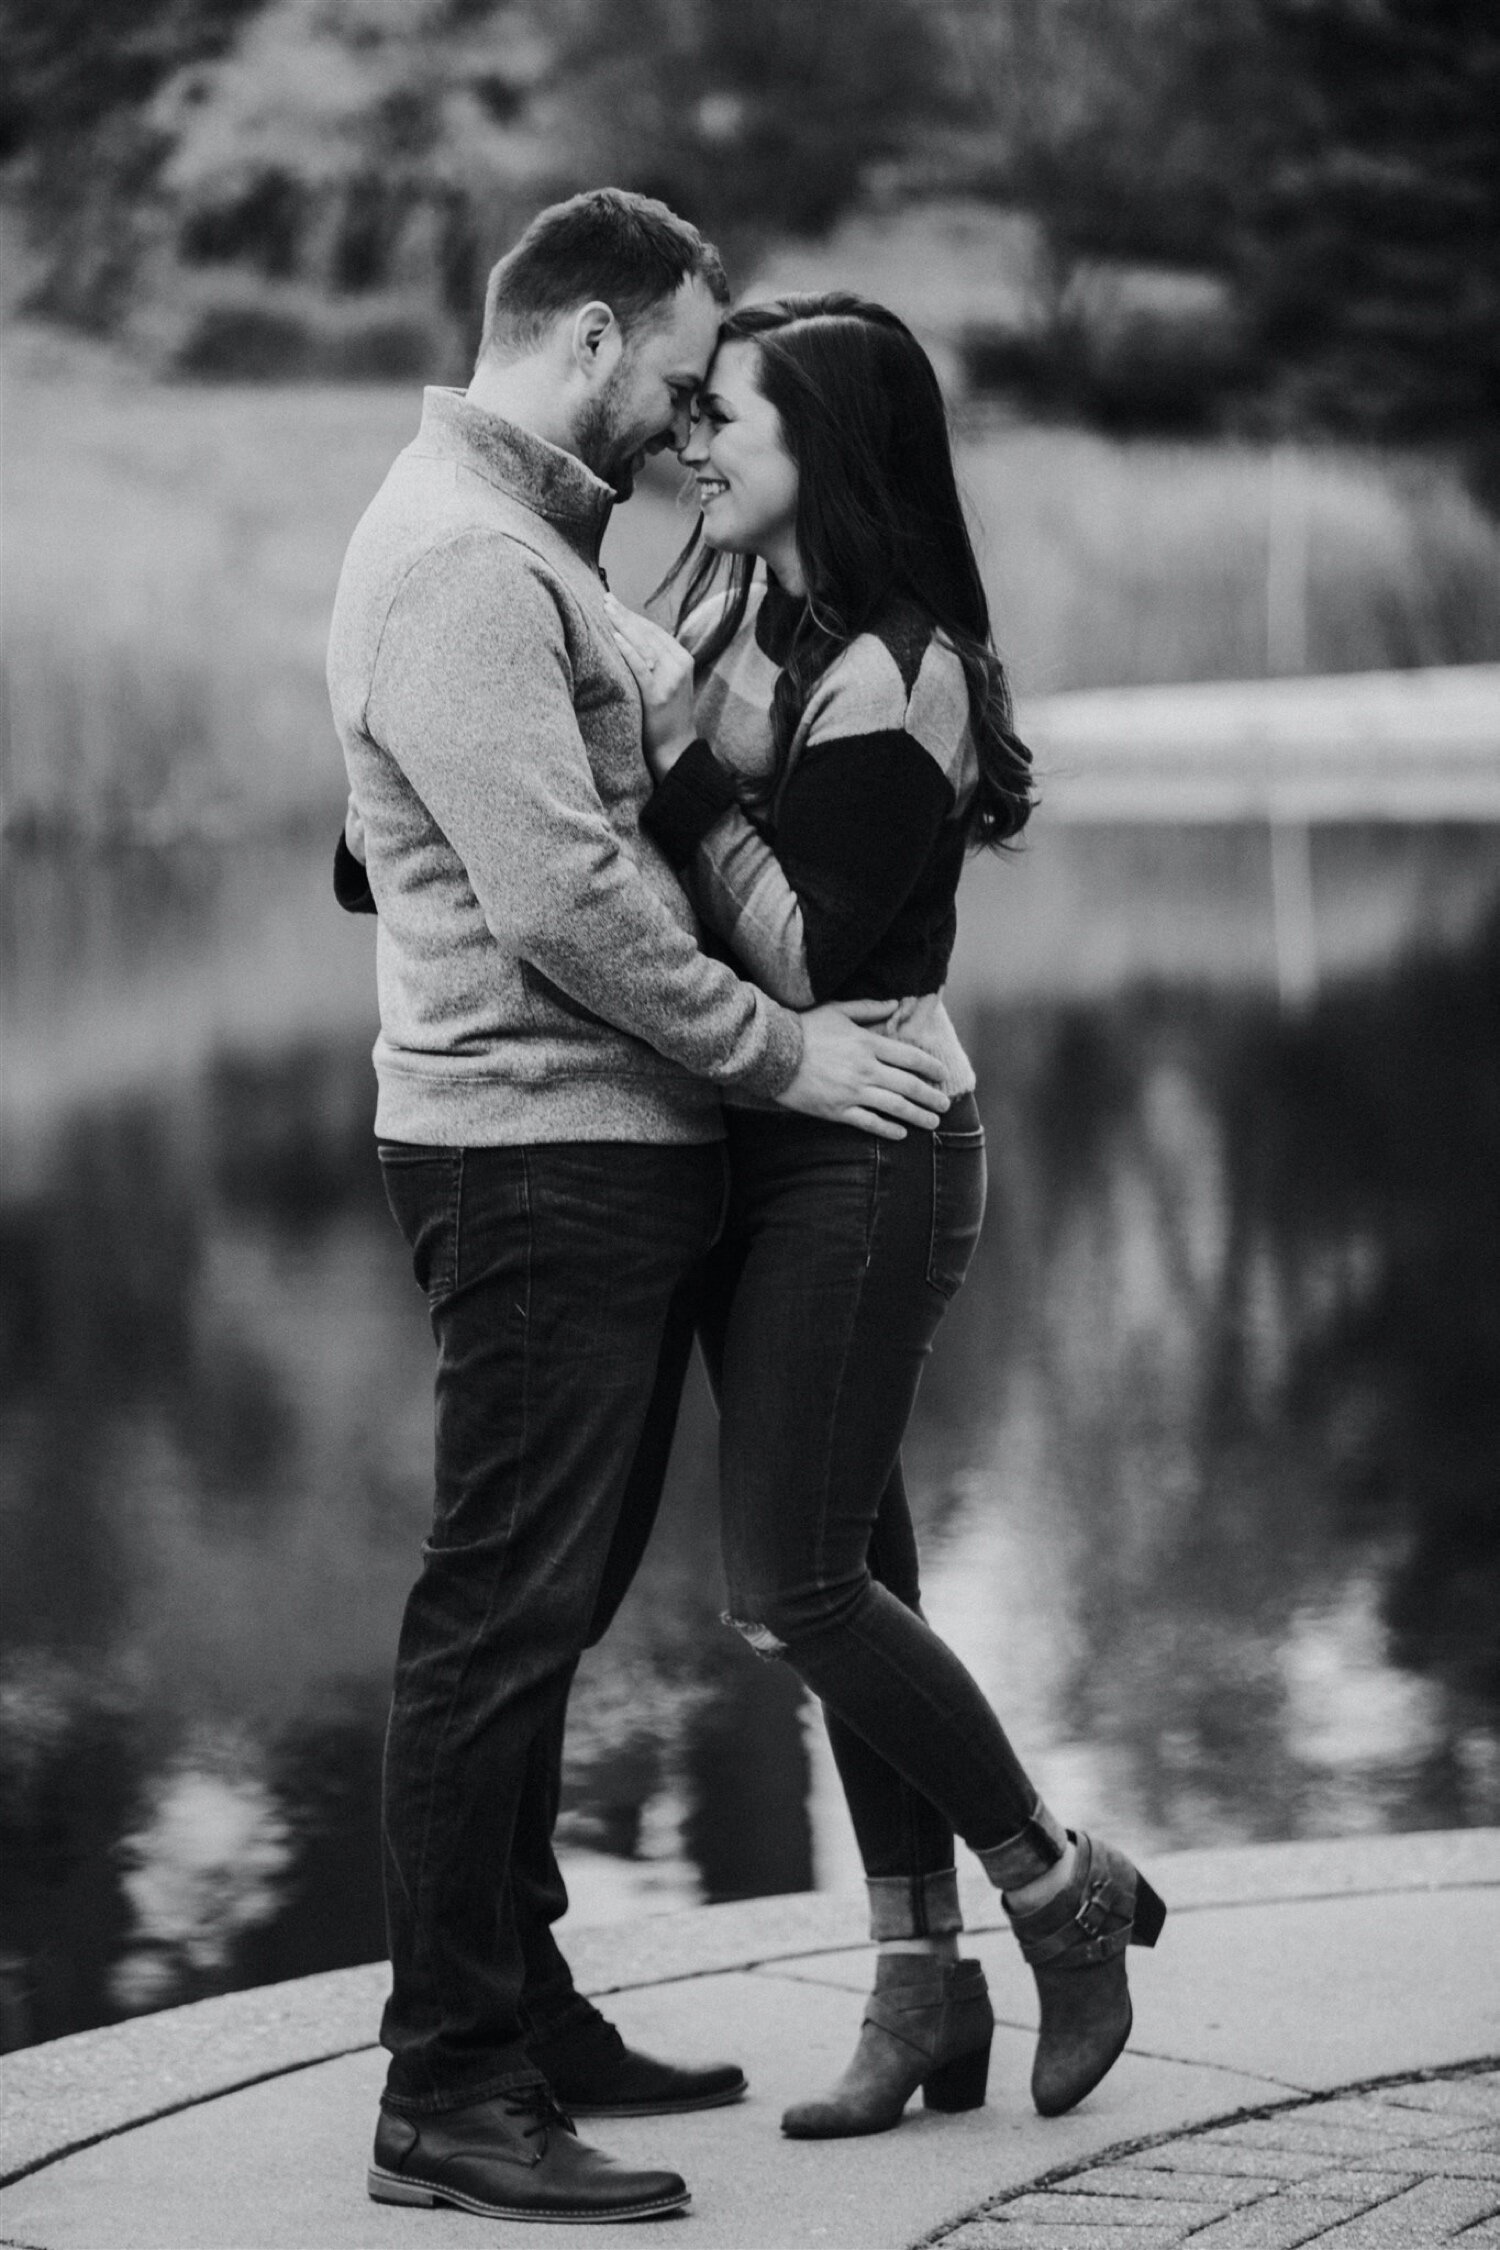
{"type": "Point", "coordinates": [1205, 1465]}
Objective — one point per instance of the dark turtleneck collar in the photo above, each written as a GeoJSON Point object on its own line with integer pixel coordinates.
{"type": "Point", "coordinates": [777, 619]}
{"type": "Point", "coordinates": [551, 483]}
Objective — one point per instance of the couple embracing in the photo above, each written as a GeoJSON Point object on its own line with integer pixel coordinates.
{"type": "Point", "coordinates": [602, 1140]}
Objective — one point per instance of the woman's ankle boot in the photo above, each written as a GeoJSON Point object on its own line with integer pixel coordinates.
{"type": "Point", "coordinates": [928, 2023]}
{"type": "Point", "coordinates": [1076, 1944]}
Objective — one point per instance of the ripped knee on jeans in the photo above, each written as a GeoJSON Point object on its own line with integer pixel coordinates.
{"type": "Point", "coordinates": [760, 1637]}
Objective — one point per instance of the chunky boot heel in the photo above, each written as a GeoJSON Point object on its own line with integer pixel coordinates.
{"type": "Point", "coordinates": [1150, 1913]}
{"type": "Point", "coordinates": [1075, 1944]}
{"type": "Point", "coordinates": [959, 2084]}
{"type": "Point", "coordinates": [928, 2023]}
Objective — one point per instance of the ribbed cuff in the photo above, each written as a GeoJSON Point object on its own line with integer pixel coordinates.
{"type": "Point", "coordinates": [1027, 1854]}
{"type": "Point", "coordinates": [908, 1906]}
{"type": "Point", "coordinates": [690, 798]}
{"type": "Point", "coordinates": [779, 1060]}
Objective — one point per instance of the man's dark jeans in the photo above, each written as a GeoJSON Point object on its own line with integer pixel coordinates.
{"type": "Point", "coordinates": [838, 1259]}
{"type": "Point", "coordinates": [561, 1282]}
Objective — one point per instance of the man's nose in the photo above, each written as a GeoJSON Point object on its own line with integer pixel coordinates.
{"type": "Point", "coordinates": [682, 427]}
{"type": "Point", "coordinates": [674, 435]}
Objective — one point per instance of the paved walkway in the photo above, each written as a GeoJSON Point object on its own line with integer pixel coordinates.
{"type": "Point", "coordinates": [1316, 2059]}
{"type": "Point", "coordinates": [1413, 2162]}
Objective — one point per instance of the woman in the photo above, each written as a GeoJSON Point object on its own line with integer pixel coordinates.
{"type": "Point", "coordinates": [829, 734]}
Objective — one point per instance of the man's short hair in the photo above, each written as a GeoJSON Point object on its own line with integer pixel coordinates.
{"type": "Point", "coordinates": [627, 251]}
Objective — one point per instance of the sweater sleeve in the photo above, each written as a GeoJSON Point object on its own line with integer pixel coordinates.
{"type": "Point", "coordinates": [695, 793]}
{"type": "Point", "coordinates": [804, 905]}
{"type": "Point", "coordinates": [473, 696]}
{"type": "Point", "coordinates": [855, 828]}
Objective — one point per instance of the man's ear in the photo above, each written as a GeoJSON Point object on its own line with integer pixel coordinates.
{"type": "Point", "coordinates": [596, 340]}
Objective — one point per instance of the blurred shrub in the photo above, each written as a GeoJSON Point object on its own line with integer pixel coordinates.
{"type": "Point", "coordinates": [238, 334]}
{"type": "Point", "coordinates": [1135, 351]}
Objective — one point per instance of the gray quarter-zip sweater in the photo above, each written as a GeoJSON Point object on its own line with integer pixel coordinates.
{"type": "Point", "coordinates": [537, 963]}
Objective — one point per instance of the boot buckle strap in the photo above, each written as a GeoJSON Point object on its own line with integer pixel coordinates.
{"type": "Point", "coordinates": [1092, 1916]}
{"type": "Point", "coordinates": [1104, 1901]}
{"type": "Point", "coordinates": [1095, 1949]}
{"type": "Point", "coordinates": [898, 2024]}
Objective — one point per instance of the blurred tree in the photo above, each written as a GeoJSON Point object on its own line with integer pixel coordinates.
{"type": "Point", "coordinates": [1133, 131]}
{"type": "Point", "coordinates": [1370, 258]}
{"type": "Point", "coordinates": [71, 63]}
{"type": "Point", "coordinates": [295, 185]}
{"type": "Point", "coordinates": [251, 163]}
{"type": "Point", "coordinates": [1336, 161]}
{"type": "Point", "coordinates": [769, 112]}
{"type": "Point", "coordinates": [78, 75]}
{"type": "Point", "coordinates": [1129, 126]}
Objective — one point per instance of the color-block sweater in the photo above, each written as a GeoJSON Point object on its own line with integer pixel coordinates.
{"type": "Point", "coordinates": [537, 960]}
{"type": "Point", "coordinates": [844, 886]}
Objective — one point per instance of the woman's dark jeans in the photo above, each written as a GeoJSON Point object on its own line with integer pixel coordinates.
{"type": "Point", "coordinates": [562, 1284]}
{"type": "Point", "coordinates": [838, 1259]}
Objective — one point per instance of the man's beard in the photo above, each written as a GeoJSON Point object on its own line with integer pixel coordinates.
{"type": "Point", "coordinates": [600, 443]}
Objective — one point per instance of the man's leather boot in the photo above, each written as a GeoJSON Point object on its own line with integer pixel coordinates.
{"type": "Point", "coordinates": [594, 2074]}
{"type": "Point", "coordinates": [515, 2156]}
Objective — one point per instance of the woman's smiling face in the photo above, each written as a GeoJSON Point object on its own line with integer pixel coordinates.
{"type": "Point", "coordinates": [747, 480]}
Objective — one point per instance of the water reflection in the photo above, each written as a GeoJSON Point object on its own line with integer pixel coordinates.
{"type": "Point", "coordinates": [205, 1864]}
{"type": "Point", "coordinates": [1237, 1316]}
{"type": "Point", "coordinates": [1206, 1460]}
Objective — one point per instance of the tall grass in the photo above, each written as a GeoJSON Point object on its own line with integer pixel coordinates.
{"type": "Point", "coordinates": [1112, 564]}
{"type": "Point", "coordinates": [170, 559]}
{"type": "Point", "coordinates": [171, 555]}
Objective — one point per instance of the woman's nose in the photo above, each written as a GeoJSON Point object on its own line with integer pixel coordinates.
{"type": "Point", "coordinates": [694, 447]}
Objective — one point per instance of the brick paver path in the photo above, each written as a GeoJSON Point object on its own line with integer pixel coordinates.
{"type": "Point", "coordinates": [1394, 2167]}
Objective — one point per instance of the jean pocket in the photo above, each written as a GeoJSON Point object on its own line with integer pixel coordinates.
{"type": "Point", "coordinates": [424, 1188]}
{"type": "Point", "coordinates": [957, 1206]}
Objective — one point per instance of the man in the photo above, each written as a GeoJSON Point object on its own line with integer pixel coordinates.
{"type": "Point", "coordinates": [551, 1048]}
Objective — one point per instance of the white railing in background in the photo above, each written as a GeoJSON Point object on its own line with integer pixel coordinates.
{"type": "Point", "coordinates": [1420, 746]}
{"type": "Point", "coordinates": [1413, 746]}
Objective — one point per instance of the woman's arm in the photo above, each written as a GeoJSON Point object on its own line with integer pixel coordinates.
{"type": "Point", "coordinates": [855, 824]}
{"type": "Point", "coordinates": [855, 827]}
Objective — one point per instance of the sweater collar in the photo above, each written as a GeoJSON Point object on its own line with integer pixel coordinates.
{"type": "Point", "coordinates": [778, 618]}
{"type": "Point", "coordinates": [551, 483]}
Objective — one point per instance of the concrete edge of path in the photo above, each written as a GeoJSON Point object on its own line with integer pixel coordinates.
{"type": "Point", "coordinates": [71, 2092]}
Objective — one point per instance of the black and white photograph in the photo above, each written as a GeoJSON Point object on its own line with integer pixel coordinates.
{"type": "Point", "coordinates": [750, 1124]}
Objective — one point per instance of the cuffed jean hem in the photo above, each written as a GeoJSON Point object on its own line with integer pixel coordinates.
{"type": "Point", "coordinates": [1027, 1854]}
{"type": "Point", "coordinates": [437, 2105]}
{"type": "Point", "coordinates": [913, 1906]}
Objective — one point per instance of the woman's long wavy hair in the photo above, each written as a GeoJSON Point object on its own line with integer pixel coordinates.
{"type": "Point", "coordinates": [879, 521]}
